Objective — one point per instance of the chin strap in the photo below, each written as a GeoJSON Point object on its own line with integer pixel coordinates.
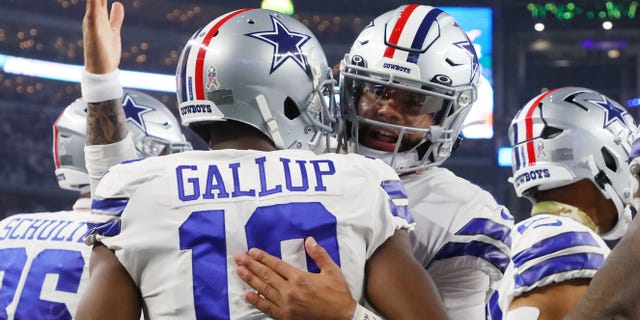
{"type": "Point", "coordinates": [624, 212]}
{"type": "Point", "coordinates": [624, 219]}
{"type": "Point", "coordinates": [272, 125]}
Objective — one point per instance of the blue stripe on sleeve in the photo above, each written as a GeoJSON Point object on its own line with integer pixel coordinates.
{"type": "Point", "coordinates": [554, 244]}
{"type": "Point", "coordinates": [492, 308]}
{"type": "Point", "coordinates": [113, 207]}
{"type": "Point", "coordinates": [401, 211]}
{"type": "Point", "coordinates": [488, 228]}
{"type": "Point", "coordinates": [505, 214]}
{"type": "Point", "coordinates": [394, 188]}
{"type": "Point", "coordinates": [132, 160]}
{"type": "Point", "coordinates": [482, 250]}
{"type": "Point", "coordinates": [579, 261]}
{"type": "Point", "coordinates": [108, 229]}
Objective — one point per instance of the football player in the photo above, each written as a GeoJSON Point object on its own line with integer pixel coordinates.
{"type": "Point", "coordinates": [44, 262]}
{"type": "Point", "coordinates": [613, 291]}
{"type": "Point", "coordinates": [569, 157]}
{"type": "Point", "coordinates": [406, 86]}
{"type": "Point", "coordinates": [164, 229]}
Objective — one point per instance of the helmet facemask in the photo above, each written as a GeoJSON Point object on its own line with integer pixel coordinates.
{"type": "Point", "coordinates": [151, 146]}
{"type": "Point", "coordinates": [422, 51]}
{"type": "Point", "coordinates": [437, 111]}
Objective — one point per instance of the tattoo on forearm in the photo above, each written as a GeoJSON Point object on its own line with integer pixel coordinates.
{"type": "Point", "coordinates": [106, 122]}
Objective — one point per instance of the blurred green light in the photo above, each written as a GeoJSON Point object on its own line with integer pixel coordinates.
{"type": "Point", "coordinates": [608, 9]}
{"type": "Point", "coordinates": [633, 7]}
{"type": "Point", "coordinates": [282, 6]}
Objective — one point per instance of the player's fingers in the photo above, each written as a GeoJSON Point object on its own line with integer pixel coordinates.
{"type": "Point", "coordinates": [92, 4]}
{"type": "Point", "coordinates": [257, 284]}
{"type": "Point", "coordinates": [116, 17]}
{"type": "Point", "coordinates": [275, 264]}
{"type": "Point", "coordinates": [262, 304]}
{"type": "Point", "coordinates": [259, 277]}
{"type": "Point", "coordinates": [90, 9]}
{"type": "Point", "coordinates": [95, 11]}
{"type": "Point", "coordinates": [95, 5]}
{"type": "Point", "coordinates": [264, 272]}
{"type": "Point", "coordinates": [320, 256]}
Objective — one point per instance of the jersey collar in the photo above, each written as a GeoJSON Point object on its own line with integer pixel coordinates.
{"type": "Point", "coordinates": [564, 210]}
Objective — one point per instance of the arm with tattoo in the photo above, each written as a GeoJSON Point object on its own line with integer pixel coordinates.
{"type": "Point", "coordinates": [108, 139]}
{"type": "Point", "coordinates": [106, 123]}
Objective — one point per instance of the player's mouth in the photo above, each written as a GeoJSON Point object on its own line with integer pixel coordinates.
{"type": "Point", "coordinates": [380, 139]}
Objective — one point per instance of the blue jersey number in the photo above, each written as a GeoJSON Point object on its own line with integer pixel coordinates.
{"type": "Point", "coordinates": [204, 234]}
{"type": "Point", "coordinates": [12, 261]}
{"type": "Point", "coordinates": [67, 264]}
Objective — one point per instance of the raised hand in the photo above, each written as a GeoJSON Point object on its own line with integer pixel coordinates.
{"type": "Point", "coordinates": [101, 36]}
{"type": "Point", "coordinates": [286, 292]}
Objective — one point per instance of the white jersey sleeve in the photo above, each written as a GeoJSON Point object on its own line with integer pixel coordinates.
{"type": "Point", "coordinates": [43, 264]}
{"type": "Point", "coordinates": [462, 237]}
{"type": "Point", "coordinates": [175, 221]}
{"type": "Point", "coordinates": [547, 249]}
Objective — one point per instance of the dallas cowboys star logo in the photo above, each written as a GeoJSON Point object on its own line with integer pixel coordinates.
{"type": "Point", "coordinates": [466, 45]}
{"type": "Point", "coordinates": [611, 111]}
{"type": "Point", "coordinates": [286, 44]}
{"type": "Point", "coordinates": [134, 111]}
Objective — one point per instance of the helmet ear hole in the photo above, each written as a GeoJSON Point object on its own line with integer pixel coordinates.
{"type": "Point", "coordinates": [291, 110]}
{"type": "Point", "coordinates": [609, 160]}
{"type": "Point", "coordinates": [550, 132]}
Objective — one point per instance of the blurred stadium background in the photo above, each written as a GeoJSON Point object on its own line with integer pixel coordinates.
{"type": "Point", "coordinates": [535, 45]}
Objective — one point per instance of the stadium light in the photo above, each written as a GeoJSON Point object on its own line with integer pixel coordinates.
{"type": "Point", "coordinates": [282, 6]}
{"type": "Point", "coordinates": [71, 73]}
{"type": "Point", "coordinates": [504, 156]}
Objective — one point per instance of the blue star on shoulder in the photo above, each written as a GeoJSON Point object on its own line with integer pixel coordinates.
{"type": "Point", "coordinates": [134, 111]}
{"type": "Point", "coordinates": [611, 111]}
{"type": "Point", "coordinates": [471, 50]}
{"type": "Point", "coordinates": [286, 44]}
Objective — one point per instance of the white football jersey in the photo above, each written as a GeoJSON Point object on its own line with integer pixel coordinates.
{"type": "Point", "coordinates": [175, 221]}
{"type": "Point", "coordinates": [462, 237]}
{"type": "Point", "coordinates": [44, 263]}
{"type": "Point", "coordinates": [546, 249]}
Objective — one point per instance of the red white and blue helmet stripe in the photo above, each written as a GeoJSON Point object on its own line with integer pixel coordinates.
{"type": "Point", "coordinates": [192, 88]}
{"type": "Point", "coordinates": [410, 31]}
{"type": "Point", "coordinates": [525, 131]}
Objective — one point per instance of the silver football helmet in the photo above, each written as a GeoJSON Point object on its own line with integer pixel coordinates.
{"type": "Point", "coordinates": [263, 69]}
{"type": "Point", "coordinates": [568, 134]}
{"type": "Point", "coordinates": [155, 131]}
{"type": "Point", "coordinates": [418, 58]}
